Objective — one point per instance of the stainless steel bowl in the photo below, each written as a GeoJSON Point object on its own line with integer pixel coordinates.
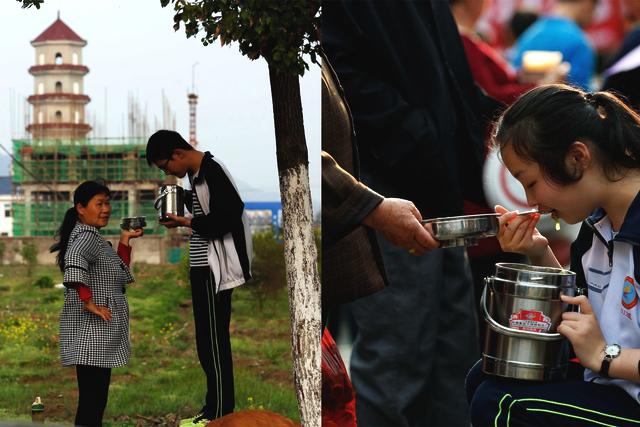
{"type": "Point", "coordinates": [463, 230]}
{"type": "Point", "coordinates": [133, 223]}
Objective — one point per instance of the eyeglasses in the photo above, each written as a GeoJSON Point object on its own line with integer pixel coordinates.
{"type": "Point", "coordinates": [164, 166]}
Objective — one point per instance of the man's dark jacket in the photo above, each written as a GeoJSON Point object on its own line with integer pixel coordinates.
{"type": "Point", "coordinates": [225, 217]}
{"type": "Point", "coordinates": [419, 117]}
{"type": "Point", "coordinates": [351, 261]}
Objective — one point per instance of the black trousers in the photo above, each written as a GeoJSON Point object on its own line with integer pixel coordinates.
{"type": "Point", "coordinates": [212, 313]}
{"type": "Point", "coordinates": [93, 388]}
{"type": "Point", "coordinates": [499, 401]}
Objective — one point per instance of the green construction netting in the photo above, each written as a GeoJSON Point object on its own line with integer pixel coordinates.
{"type": "Point", "coordinates": [58, 161]}
{"type": "Point", "coordinates": [44, 218]}
{"type": "Point", "coordinates": [111, 159]}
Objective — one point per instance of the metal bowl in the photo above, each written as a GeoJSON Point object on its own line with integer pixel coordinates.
{"type": "Point", "coordinates": [133, 223]}
{"type": "Point", "coordinates": [463, 230]}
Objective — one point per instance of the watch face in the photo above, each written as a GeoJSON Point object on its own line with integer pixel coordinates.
{"type": "Point", "coordinates": [612, 350]}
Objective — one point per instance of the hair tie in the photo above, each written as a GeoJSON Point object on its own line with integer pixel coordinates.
{"type": "Point", "coordinates": [593, 101]}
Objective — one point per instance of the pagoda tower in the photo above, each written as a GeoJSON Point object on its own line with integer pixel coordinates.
{"type": "Point", "coordinates": [58, 100]}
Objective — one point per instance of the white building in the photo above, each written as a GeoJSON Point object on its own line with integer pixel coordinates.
{"type": "Point", "coordinates": [6, 213]}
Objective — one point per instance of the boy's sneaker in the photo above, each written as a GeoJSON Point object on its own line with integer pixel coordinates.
{"type": "Point", "coordinates": [198, 420]}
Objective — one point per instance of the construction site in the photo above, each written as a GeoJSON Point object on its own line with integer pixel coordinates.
{"type": "Point", "coordinates": [60, 151]}
{"type": "Point", "coordinates": [60, 145]}
{"type": "Point", "coordinates": [47, 171]}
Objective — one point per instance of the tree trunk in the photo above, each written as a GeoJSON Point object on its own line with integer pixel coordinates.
{"type": "Point", "coordinates": [300, 253]}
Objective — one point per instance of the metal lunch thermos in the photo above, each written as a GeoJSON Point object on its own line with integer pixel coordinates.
{"type": "Point", "coordinates": [522, 308]}
{"type": "Point", "coordinates": [170, 200]}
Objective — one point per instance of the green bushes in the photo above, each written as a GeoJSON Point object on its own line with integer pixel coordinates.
{"type": "Point", "coordinates": [29, 253]}
{"type": "Point", "coordinates": [44, 282]}
{"type": "Point", "coordinates": [267, 268]}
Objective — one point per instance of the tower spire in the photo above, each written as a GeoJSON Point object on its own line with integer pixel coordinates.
{"type": "Point", "coordinates": [193, 102]}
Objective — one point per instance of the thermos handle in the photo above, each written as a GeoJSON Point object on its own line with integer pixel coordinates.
{"type": "Point", "coordinates": [540, 336]}
{"type": "Point", "coordinates": [579, 291]}
{"type": "Point", "coordinates": [162, 195]}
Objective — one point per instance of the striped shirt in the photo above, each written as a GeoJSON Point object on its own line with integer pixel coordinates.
{"type": "Point", "coordinates": [197, 244]}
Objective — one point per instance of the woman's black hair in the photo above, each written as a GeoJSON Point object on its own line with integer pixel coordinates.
{"type": "Point", "coordinates": [162, 143]}
{"type": "Point", "coordinates": [82, 195]}
{"type": "Point", "coordinates": [543, 123]}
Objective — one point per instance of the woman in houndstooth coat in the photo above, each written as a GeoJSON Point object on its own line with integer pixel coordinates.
{"type": "Point", "coordinates": [94, 323]}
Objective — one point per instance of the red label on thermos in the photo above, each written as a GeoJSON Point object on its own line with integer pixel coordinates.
{"type": "Point", "coordinates": [530, 320]}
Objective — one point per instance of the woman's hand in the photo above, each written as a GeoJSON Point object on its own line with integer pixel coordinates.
{"type": "Point", "coordinates": [584, 333]}
{"type": "Point", "coordinates": [126, 235]}
{"type": "Point", "coordinates": [98, 310]}
{"type": "Point", "coordinates": [518, 233]}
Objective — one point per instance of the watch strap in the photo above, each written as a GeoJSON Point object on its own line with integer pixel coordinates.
{"type": "Point", "coordinates": [604, 368]}
{"type": "Point", "coordinates": [608, 357]}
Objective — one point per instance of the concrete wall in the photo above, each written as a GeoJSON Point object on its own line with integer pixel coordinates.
{"type": "Point", "coordinates": [146, 250]}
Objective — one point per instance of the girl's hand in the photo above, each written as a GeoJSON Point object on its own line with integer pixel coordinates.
{"type": "Point", "coordinates": [98, 310]}
{"type": "Point", "coordinates": [584, 333]}
{"type": "Point", "coordinates": [126, 235]}
{"type": "Point", "coordinates": [518, 233]}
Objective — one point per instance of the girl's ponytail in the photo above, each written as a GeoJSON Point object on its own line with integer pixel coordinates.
{"type": "Point", "coordinates": [63, 234]}
{"type": "Point", "coordinates": [620, 146]}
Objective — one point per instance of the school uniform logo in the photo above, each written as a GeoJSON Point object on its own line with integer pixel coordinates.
{"type": "Point", "coordinates": [629, 293]}
{"type": "Point", "coordinates": [530, 320]}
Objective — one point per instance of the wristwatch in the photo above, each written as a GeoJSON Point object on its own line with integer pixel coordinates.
{"type": "Point", "coordinates": [610, 352]}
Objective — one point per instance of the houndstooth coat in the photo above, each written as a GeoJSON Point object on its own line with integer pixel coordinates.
{"type": "Point", "coordinates": [85, 338]}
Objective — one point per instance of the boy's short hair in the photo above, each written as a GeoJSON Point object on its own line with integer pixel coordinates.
{"type": "Point", "coordinates": [162, 143]}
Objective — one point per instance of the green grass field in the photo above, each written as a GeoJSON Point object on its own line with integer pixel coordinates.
{"type": "Point", "coordinates": [163, 380]}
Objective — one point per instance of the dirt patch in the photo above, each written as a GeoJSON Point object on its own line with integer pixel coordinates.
{"type": "Point", "coordinates": [170, 420]}
{"type": "Point", "coordinates": [265, 372]}
{"type": "Point", "coordinates": [273, 329]}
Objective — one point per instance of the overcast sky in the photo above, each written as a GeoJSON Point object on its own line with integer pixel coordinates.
{"type": "Point", "coordinates": [132, 48]}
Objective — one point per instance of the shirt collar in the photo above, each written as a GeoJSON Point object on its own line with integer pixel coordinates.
{"type": "Point", "coordinates": [630, 230]}
{"type": "Point", "coordinates": [198, 177]}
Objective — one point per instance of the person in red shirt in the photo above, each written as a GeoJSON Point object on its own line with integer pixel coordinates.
{"type": "Point", "coordinates": [490, 70]}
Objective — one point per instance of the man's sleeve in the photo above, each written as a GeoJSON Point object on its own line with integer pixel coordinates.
{"type": "Point", "coordinates": [345, 201]}
{"type": "Point", "coordinates": [225, 204]}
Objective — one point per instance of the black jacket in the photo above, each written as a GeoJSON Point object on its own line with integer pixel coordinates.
{"type": "Point", "coordinates": [225, 224]}
{"type": "Point", "coordinates": [420, 120]}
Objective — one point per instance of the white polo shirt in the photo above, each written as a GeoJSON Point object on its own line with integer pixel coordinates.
{"type": "Point", "coordinates": [614, 295]}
